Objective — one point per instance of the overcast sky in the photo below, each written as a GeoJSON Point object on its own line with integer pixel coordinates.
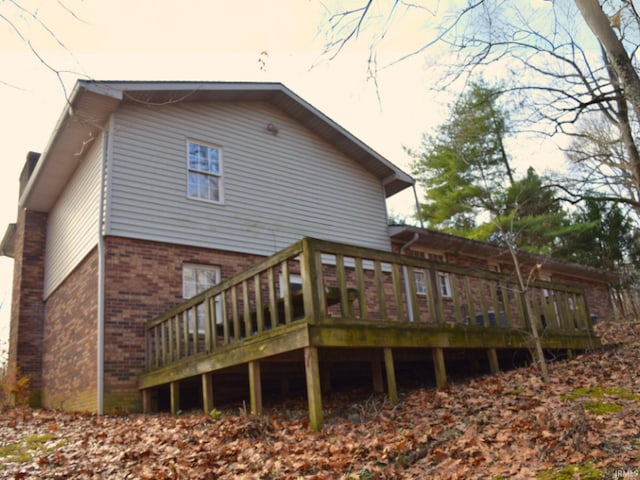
{"type": "Point", "coordinates": [201, 40]}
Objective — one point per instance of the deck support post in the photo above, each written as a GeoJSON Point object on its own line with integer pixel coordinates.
{"type": "Point", "coordinates": [207, 392]}
{"type": "Point", "coordinates": [570, 354]}
{"type": "Point", "coordinates": [174, 393]}
{"type": "Point", "coordinates": [314, 393]}
{"type": "Point", "coordinates": [494, 365]}
{"type": "Point", "coordinates": [147, 401]}
{"type": "Point", "coordinates": [391, 376]}
{"type": "Point", "coordinates": [439, 367]}
{"type": "Point", "coordinates": [255, 387]}
{"type": "Point", "coordinates": [376, 374]}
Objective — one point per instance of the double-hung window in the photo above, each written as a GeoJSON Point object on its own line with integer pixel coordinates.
{"type": "Point", "coordinates": [442, 278]}
{"type": "Point", "coordinates": [196, 279]}
{"type": "Point", "coordinates": [421, 283]}
{"type": "Point", "coordinates": [204, 171]}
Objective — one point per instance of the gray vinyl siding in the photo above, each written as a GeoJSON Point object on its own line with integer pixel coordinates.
{"type": "Point", "coordinates": [72, 226]}
{"type": "Point", "coordinates": [276, 189]}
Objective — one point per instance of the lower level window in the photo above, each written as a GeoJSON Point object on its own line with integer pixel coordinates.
{"type": "Point", "coordinates": [443, 284]}
{"type": "Point", "coordinates": [442, 280]}
{"type": "Point", "coordinates": [295, 283]}
{"type": "Point", "coordinates": [196, 279]}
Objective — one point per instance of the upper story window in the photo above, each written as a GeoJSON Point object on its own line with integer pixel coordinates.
{"type": "Point", "coordinates": [204, 171]}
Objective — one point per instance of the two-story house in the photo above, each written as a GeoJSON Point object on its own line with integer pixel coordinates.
{"type": "Point", "coordinates": [149, 193]}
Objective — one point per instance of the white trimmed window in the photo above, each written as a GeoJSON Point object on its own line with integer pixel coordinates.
{"type": "Point", "coordinates": [204, 171]}
{"type": "Point", "coordinates": [295, 283]}
{"type": "Point", "coordinates": [442, 278]}
{"type": "Point", "coordinates": [443, 284]}
{"type": "Point", "coordinates": [421, 284]}
{"type": "Point", "coordinates": [195, 279]}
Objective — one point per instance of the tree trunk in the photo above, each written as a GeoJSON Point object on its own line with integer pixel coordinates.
{"type": "Point", "coordinates": [538, 353]}
{"type": "Point", "coordinates": [599, 24]}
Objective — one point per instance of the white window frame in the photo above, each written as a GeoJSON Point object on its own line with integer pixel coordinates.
{"type": "Point", "coordinates": [420, 278]}
{"type": "Point", "coordinates": [207, 174]}
{"type": "Point", "coordinates": [295, 279]}
{"type": "Point", "coordinates": [444, 284]}
{"type": "Point", "coordinates": [442, 278]}
{"type": "Point", "coordinates": [216, 271]}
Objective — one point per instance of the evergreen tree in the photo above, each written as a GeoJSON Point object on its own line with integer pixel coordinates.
{"type": "Point", "coordinates": [605, 237]}
{"type": "Point", "coordinates": [464, 163]}
{"type": "Point", "coordinates": [533, 215]}
{"type": "Point", "coordinates": [470, 189]}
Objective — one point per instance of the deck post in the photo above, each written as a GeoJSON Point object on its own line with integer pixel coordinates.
{"type": "Point", "coordinates": [255, 387]}
{"type": "Point", "coordinates": [174, 393]}
{"type": "Point", "coordinates": [494, 365]}
{"type": "Point", "coordinates": [207, 392]}
{"type": "Point", "coordinates": [391, 376]}
{"type": "Point", "coordinates": [314, 394]}
{"type": "Point", "coordinates": [147, 401]}
{"type": "Point", "coordinates": [311, 271]}
{"type": "Point", "coordinates": [440, 368]}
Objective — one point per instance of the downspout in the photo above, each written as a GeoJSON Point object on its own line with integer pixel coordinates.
{"type": "Point", "coordinates": [404, 248]}
{"type": "Point", "coordinates": [405, 274]}
{"type": "Point", "coordinates": [101, 269]}
{"type": "Point", "coordinates": [418, 209]}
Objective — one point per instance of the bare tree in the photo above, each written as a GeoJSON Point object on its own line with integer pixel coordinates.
{"type": "Point", "coordinates": [602, 27]}
{"type": "Point", "coordinates": [21, 20]}
{"type": "Point", "coordinates": [555, 71]}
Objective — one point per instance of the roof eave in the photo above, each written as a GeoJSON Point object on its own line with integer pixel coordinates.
{"type": "Point", "coordinates": [80, 123]}
{"type": "Point", "coordinates": [7, 245]}
{"type": "Point", "coordinates": [476, 248]}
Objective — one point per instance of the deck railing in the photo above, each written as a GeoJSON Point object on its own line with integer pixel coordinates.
{"type": "Point", "coordinates": [356, 284]}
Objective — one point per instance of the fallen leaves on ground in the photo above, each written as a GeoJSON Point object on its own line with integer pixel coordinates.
{"type": "Point", "coordinates": [509, 425]}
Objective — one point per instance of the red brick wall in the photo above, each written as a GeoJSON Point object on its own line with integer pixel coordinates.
{"type": "Point", "coordinates": [597, 294]}
{"type": "Point", "coordinates": [27, 310]}
{"type": "Point", "coordinates": [144, 279]}
{"type": "Point", "coordinates": [70, 340]}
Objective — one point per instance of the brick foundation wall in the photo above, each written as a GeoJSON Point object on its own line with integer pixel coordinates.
{"type": "Point", "coordinates": [27, 308]}
{"type": "Point", "coordinates": [142, 280]}
{"type": "Point", "coordinates": [597, 294]}
{"type": "Point", "coordinates": [70, 340]}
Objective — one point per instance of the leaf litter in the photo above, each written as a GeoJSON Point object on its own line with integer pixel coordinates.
{"type": "Point", "coordinates": [508, 425]}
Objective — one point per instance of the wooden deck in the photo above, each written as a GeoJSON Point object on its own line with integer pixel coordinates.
{"type": "Point", "coordinates": [354, 303]}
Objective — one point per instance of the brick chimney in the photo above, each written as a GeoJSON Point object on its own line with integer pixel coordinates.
{"type": "Point", "coordinates": [27, 305]}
